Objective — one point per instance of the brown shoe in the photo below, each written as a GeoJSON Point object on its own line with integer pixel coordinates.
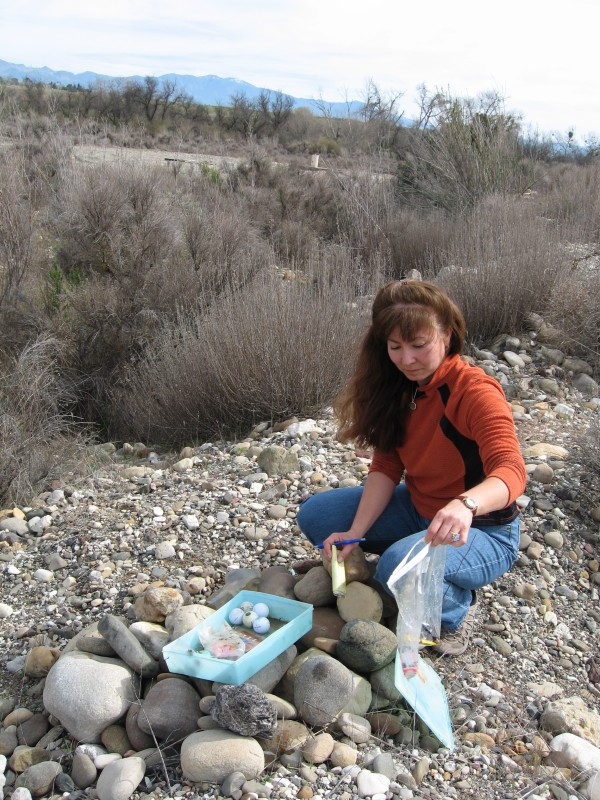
{"type": "Point", "coordinates": [454, 643]}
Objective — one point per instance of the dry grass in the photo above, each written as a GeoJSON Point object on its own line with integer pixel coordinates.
{"type": "Point", "coordinates": [38, 435]}
{"type": "Point", "coordinates": [276, 349]}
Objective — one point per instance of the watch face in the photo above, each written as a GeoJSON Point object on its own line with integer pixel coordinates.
{"type": "Point", "coordinates": [470, 504]}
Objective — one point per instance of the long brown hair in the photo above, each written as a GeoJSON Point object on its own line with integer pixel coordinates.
{"type": "Point", "coordinates": [373, 408]}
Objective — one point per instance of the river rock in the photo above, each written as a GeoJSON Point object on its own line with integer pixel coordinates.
{"type": "Point", "coordinates": [127, 646]}
{"type": "Point", "coordinates": [119, 779]}
{"type": "Point", "coordinates": [317, 749]}
{"type": "Point", "coordinates": [169, 710]}
{"type": "Point", "coordinates": [321, 689]}
{"type": "Point", "coordinates": [39, 778]}
{"type": "Point", "coordinates": [288, 735]}
{"type": "Point", "coordinates": [572, 715]}
{"type": "Point", "coordinates": [366, 646]}
{"type": "Point", "coordinates": [87, 693]}
{"type": "Point", "coordinates": [315, 587]}
{"type": "Point", "coordinates": [356, 566]}
{"type": "Point", "coordinates": [212, 755]}
{"type": "Point", "coordinates": [360, 602]}
{"type": "Point", "coordinates": [31, 730]}
{"type": "Point", "coordinates": [185, 619]}
{"type": "Point", "coordinates": [40, 660]}
{"type": "Point", "coordinates": [326, 623]}
{"type": "Point", "coordinates": [152, 636]}
{"type": "Point", "coordinates": [155, 604]}
{"type": "Point", "coordinates": [83, 770]}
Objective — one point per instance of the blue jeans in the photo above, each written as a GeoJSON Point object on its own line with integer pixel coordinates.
{"type": "Point", "coordinates": [488, 553]}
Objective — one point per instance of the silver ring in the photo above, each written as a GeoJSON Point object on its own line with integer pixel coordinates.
{"type": "Point", "coordinates": [455, 537]}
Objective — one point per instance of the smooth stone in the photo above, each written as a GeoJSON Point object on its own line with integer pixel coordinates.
{"type": "Point", "coordinates": [326, 623]}
{"type": "Point", "coordinates": [90, 640]}
{"type": "Point", "coordinates": [283, 708]}
{"type": "Point", "coordinates": [39, 778]}
{"type": "Point", "coordinates": [342, 755]}
{"type": "Point", "coordinates": [152, 636]}
{"type": "Point", "coordinates": [586, 385]}
{"type": "Point", "coordinates": [87, 693]}
{"type": "Point", "coordinates": [120, 779]}
{"type": "Point", "coordinates": [169, 710]}
{"type": "Point", "coordinates": [232, 783]}
{"type": "Point", "coordinates": [288, 735]}
{"type": "Point", "coordinates": [127, 646]}
{"type": "Point", "coordinates": [278, 581]}
{"type": "Point", "coordinates": [25, 757]}
{"type": "Point", "coordinates": [318, 748]}
{"type": "Point", "coordinates": [277, 460]}
{"type": "Point", "coordinates": [545, 449]}
{"type": "Point", "coordinates": [33, 729]}
{"type": "Point", "coordinates": [213, 755]}
{"type": "Point", "coordinates": [83, 770]}
{"type": "Point", "coordinates": [370, 783]}
{"type": "Point", "coordinates": [356, 567]}
{"type": "Point", "coordinates": [140, 740]}
{"type": "Point", "coordinates": [184, 619]}
{"type": "Point", "coordinates": [366, 646]}
{"type": "Point", "coordinates": [383, 763]}
{"type": "Point", "coordinates": [315, 587]}
{"type": "Point", "coordinates": [8, 740]}
{"type": "Point", "coordinates": [356, 728]}
{"type": "Point", "coordinates": [17, 717]}
{"type": "Point", "coordinates": [543, 473]}
{"type": "Point", "coordinates": [269, 676]}
{"type": "Point", "coordinates": [321, 689]}
{"type": "Point", "coordinates": [384, 724]}
{"type": "Point", "coordinates": [115, 739]}
{"type": "Point", "coordinates": [554, 539]}
{"type": "Point", "coordinates": [575, 752]}
{"type": "Point", "coordinates": [360, 602]}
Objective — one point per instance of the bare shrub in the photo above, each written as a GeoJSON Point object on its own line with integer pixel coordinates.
{"type": "Point", "coordinates": [38, 436]}
{"type": "Point", "coordinates": [570, 195]}
{"type": "Point", "coordinates": [573, 306]}
{"type": "Point", "coordinates": [502, 264]}
{"type": "Point", "coordinates": [115, 219]}
{"type": "Point", "coordinates": [473, 151]}
{"type": "Point", "coordinates": [276, 349]}
{"type": "Point", "coordinates": [16, 224]}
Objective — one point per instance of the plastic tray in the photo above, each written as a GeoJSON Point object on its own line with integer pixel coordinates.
{"type": "Point", "coordinates": [183, 657]}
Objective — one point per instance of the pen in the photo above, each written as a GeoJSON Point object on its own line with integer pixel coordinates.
{"type": "Point", "coordinates": [344, 542]}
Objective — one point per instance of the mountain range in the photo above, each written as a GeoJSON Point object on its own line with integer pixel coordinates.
{"type": "Point", "coordinates": [206, 89]}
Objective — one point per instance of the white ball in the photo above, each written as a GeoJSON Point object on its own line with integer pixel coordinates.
{"type": "Point", "coordinates": [262, 609]}
{"type": "Point", "coordinates": [235, 616]}
{"type": "Point", "coordinates": [248, 619]}
{"type": "Point", "coordinates": [246, 606]}
{"type": "Point", "coordinates": [261, 625]}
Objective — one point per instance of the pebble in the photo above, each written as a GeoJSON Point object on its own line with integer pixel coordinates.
{"type": "Point", "coordinates": [60, 578]}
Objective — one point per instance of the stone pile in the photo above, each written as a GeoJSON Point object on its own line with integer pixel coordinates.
{"type": "Point", "coordinates": [98, 577]}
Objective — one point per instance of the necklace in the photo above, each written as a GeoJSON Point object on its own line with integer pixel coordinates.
{"type": "Point", "coordinates": [412, 405]}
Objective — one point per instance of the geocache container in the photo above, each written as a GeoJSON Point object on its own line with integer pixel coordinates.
{"type": "Point", "coordinates": [186, 655]}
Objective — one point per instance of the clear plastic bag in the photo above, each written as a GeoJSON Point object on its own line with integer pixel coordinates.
{"type": "Point", "coordinates": [222, 641]}
{"type": "Point", "coordinates": [417, 585]}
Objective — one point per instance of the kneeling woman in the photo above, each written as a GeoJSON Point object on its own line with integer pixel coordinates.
{"type": "Point", "coordinates": [446, 465]}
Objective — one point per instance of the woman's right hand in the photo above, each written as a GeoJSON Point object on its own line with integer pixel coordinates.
{"type": "Point", "coordinates": [338, 540]}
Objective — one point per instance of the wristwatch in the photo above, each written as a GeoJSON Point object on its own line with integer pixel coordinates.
{"type": "Point", "coordinates": [469, 503]}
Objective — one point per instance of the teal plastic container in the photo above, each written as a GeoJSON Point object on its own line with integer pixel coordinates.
{"type": "Point", "coordinates": [183, 656]}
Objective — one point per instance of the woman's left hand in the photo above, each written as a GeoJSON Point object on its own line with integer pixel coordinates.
{"type": "Point", "coordinates": [450, 525]}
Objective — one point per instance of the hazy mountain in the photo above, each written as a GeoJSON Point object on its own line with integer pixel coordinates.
{"type": "Point", "coordinates": [208, 89]}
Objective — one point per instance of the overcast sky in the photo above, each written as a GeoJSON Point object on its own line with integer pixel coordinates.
{"type": "Point", "coordinates": [541, 56]}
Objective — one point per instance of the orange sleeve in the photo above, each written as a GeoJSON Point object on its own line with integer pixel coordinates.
{"type": "Point", "coordinates": [388, 463]}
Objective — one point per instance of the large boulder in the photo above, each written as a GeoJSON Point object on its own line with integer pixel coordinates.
{"type": "Point", "coordinates": [88, 693]}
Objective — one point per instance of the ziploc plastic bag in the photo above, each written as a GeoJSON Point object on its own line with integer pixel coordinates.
{"type": "Point", "coordinates": [417, 585]}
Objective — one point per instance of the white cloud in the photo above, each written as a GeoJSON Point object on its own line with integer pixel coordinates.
{"type": "Point", "coordinates": [542, 60]}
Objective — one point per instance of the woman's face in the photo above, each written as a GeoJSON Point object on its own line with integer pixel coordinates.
{"type": "Point", "coordinates": [419, 358]}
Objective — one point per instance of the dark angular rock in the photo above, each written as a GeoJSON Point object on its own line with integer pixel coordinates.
{"type": "Point", "coordinates": [245, 710]}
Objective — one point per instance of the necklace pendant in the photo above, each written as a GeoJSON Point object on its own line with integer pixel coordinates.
{"type": "Point", "coordinates": [412, 405]}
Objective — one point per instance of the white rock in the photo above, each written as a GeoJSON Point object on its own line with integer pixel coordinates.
{"type": "Point", "coordinates": [5, 610]}
{"type": "Point", "coordinates": [88, 693]}
{"type": "Point", "coordinates": [212, 755]}
{"type": "Point", "coordinates": [190, 521]}
{"type": "Point", "coordinates": [369, 783]}
{"type": "Point", "coordinates": [573, 751]}
{"type": "Point", "coordinates": [151, 636]}
{"type": "Point", "coordinates": [38, 525]}
{"type": "Point", "coordinates": [514, 359]}
{"type": "Point", "coordinates": [43, 575]}
{"type": "Point", "coordinates": [164, 550]}
{"type": "Point", "coordinates": [119, 780]}
{"type": "Point", "coordinates": [183, 465]}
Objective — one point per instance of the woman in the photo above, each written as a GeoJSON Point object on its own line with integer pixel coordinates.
{"type": "Point", "coordinates": [446, 463]}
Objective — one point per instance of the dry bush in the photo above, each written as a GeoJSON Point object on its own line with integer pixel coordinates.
{"type": "Point", "coordinates": [570, 195]}
{"type": "Point", "coordinates": [503, 263]}
{"type": "Point", "coordinates": [16, 224]}
{"type": "Point", "coordinates": [573, 306]}
{"type": "Point", "coordinates": [276, 349]}
{"type": "Point", "coordinates": [115, 219]}
{"type": "Point", "coordinates": [38, 436]}
{"type": "Point", "coordinates": [474, 151]}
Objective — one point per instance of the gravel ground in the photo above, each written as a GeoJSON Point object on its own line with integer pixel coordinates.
{"type": "Point", "coordinates": [537, 628]}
